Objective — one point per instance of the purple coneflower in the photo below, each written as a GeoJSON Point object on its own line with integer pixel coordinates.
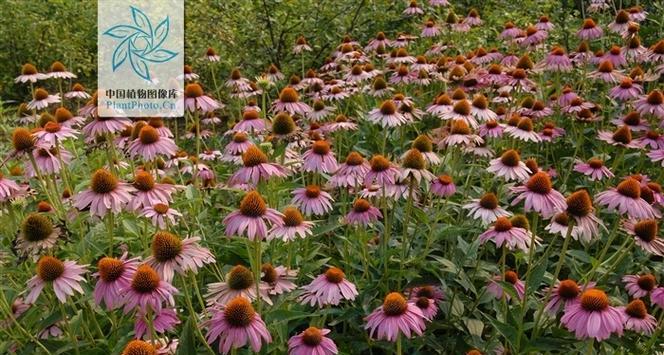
{"type": "Point", "coordinates": [240, 282]}
{"type": "Point", "coordinates": [382, 172]}
{"type": "Point", "coordinates": [645, 234]}
{"type": "Point", "coordinates": [637, 318]}
{"type": "Point", "coordinates": [41, 99]}
{"type": "Point", "coordinates": [351, 173]}
{"type": "Point", "coordinates": [414, 166]}
{"type": "Point", "coordinates": [64, 276]}
{"type": "Point", "coordinates": [486, 208]}
{"type": "Point", "coordinates": [171, 255]}
{"type": "Point", "coordinates": [443, 186]}
{"type": "Point", "coordinates": [105, 194]}
{"type": "Point", "coordinates": [163, 321]}
{"type": "Point", "coordinates": [589, 30]}
{"type": "Point", "coordinates": [147, 292]}
{"type": "Point", "coordinates": [150, 144]}
{"type": "Point", "coordinates": [510, 277]}
{"type": "Point", "coordinates": [196, 100]}
{"type": "Point", "coordinates": [53, 132]}
{"type": "Point", "coordinates": [29, 73]}
{"type": "Point", "coordinates": [621, 137]}
{"type": "Point", "coordinates": [460, 134]}
{"type": "Point", "coordinates": [593, 316]}
{"type": "Point", "coordinates": [651, 104]}
{"type": "Point", "coordinates": [59, 71]}
{"type": "Point", "coordinates": [289, 102]}
{"type": "Point", "coordinates": [607, 73]}
{"type": "Point", "coordinates": [639, 285]}
{"type": "Point", "coordinates": [256, 168]}
{"type": "Point", "coordinates": [235, 325]}
{"type": "Point", "coordinates": [329, 288]}
{"type": "Point", "coordinates": [36, 235]}
{"type": "Point", "coordinates": [534, 36]}
{"type": "Point", "coordinates": [77, 92]}
{"type": "Point", "coordinates": [503, 233]}
{"type": "Point", "coordinates": [540, 196]}
{"type": "Point", "coordinates": [161, 215]}
{"type": "Point", "coordinates": [363, 213]}
{"type": "Point", "coordinates": [114, 275]}
{"type": "Point", "coordinates": [626, 199]}
{"type": "Point", "coordinates": [394, 317]}
{"type": "Point", "coordinates": [252, 218]}
{"type": "Point", "coordinates": [563, 294]}
{"type": "Point", "coordinates": [312, 200]}
{"type": "Point", "coordinates": [293, 226]}
{"type": "Point", "coordinates": [319, 158]}
{"type": "Point", "coordinates": [627, 90]}
{"type": "Point", "coordinates": [387, 115]}
{"type": "Point", "coordinates": [148, 192]}
{"type": "Point", "coordinates": [509, 166]}
{"type": "Point", "coordinates": [312, 341]}
{"type": "Point", "coordinates": [278, 279]}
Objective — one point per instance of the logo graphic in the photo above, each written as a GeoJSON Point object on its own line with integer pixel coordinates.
{"type": "Point", "coordinates": [140, 43]}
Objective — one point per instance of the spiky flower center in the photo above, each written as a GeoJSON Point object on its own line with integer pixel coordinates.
{"type": "Point", "coordinates": [36, 227]}
{"type": "Point", "coordinates": [503, 224]}
{"type": "Point", "coordinates": [510, 158]}
{"type": "Point", "coordinates": [568, 289]}
{"type": "Point", "coordinates": [361, 205]}
{"type": "Point", "coordinates": [334, 275]}
{"type": "Point", "coordinates": [588, 24]}
{"type": "Point", "coordinates": [193, 90]}
{"type": "Point", "coordinates": [579, 204]}
{"type": "Point", "coordinates": [414, 160]}
{"type": "Point", "coordinates": [103, 181]}
{"type": "Point", "coordinates": [460, 127]}
{"type": "Point", "coordinates": [239, 313]}
{"type": "Point", "coordinates": [646, 230]}
{"type": "Point", "coordinates": [561, 218]}
{"type": "Point", "coordinates": [320, 147]}
{"type": "Point", "coordinates": [49, 268]}
{"type": "Point", "coordinates": [240, 278]}
{"type": "Point", "coordinates": [269, 273]}
{"type": "Point", "coordinates": [288, 94]}
{"type": "Point", "coordinates": [354, 159]}
{"type": "Point", "coordinates": [636, 309]}
{"type": "Point", "coordinates": [312, 336]}
{"type": "Point", "coordinates": [57, 67]}
{"type": "Point", "coordinates": [629, 187]}
{"type": "Point", "coordinates": [253, 156]}
{"type": "Point", "coordinates": [283, 124]}
{"type": "Point", "coordinates": [395, 304]}
{"type": "Point", "coordinates": [388, 107]}
{"type": "Point", "coordinates": [594, 300]}
{"type": "Point", "coordinates": [292, 217]}
{"type": "Point", "coordinates": [605, 66]}
{"type": "Point", "coordinates": [622, 135]}
{"type": "Point", "coordinates": [520, 221]}
{"type": "Point", "coordinates": [445, 180]}
{"type": "Point", "coordinates": [110, 269]}
{"type": "Point", "coordinates": [595, 163]}
{"type": "Point", "coordinates": [62, 115]}
{"type": "Point", "coordinates": [443, 100]}
{"type": "Point", "coordinates": [253, 205]}
{"type": "Point", "coordinates": [647, 282]}
{"type": "Point", "coordinates": [145, 280]}
{"type": "Point", "coordinates": [655, 98]}
{"type": "Point", "coordinates": [379, 163]}
{"type": "Point", "coordinates": [40, 94]}
{"type": "Point", "coordinates": [28, 69]}
{"type": "Point", "coordinates": [139, 347]}
{"type": "Point", "coordinates": [511, 277]}
{"type": "Point", "coordinates": [166, 246]}
{"type": "Point", "coordinates": [423, 144]}
{"type": "Point", "coordinates": [148, 135]}
{"type": "Point", "coordinates": [489, 201]}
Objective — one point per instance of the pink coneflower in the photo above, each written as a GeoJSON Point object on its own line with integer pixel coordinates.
{"type": "Point", "coordinates": [252, 218]}
{"type": "Point", "coordinates": [188, 74]}
{"type": "Point", "coordinates": [341, 123]}
{"type": "Point", "coordinates": [523, 130]}
{"type": "Point", "coordinates": [301, 46]}
{"type": "Point", "coordinates": [509, 31]}
{"type": "Point", "coordinates": [274, 74]}
{"type": "Point", "coordinates": [251, 123]}
{"type": "Point", "coordinates": [503, 233]}
{"type": "Point", "coordinates": [211, 55]}
{"type": "Point", "coordinates": [64, 276]}
{"type": "Point", "coordinates": [540, 196]}
{"type": "Point", "coordinates": [387, 115]}
{"type": "Point", "coordinates": [637, 318]}
{"type": "Point", "coordinates": [312, 341]}
{"type": "Point", "coordinates": [36, 235]}
{"type": "Point", "coordinates": [413, 9]}
{"type": "Point", "coordinates": [645, 234]}
{"type": "Point", "coordinates": [329, 288]}
{"type": "Point", "coordinates": [651, 104]}
{"type": "Point", "coordinates": [509, 166]}
{"type": "Point", "coordinates": [59, 71]}
{"type": "Point", "coordinates": [627, 90]}
{"type": "Point", "coordinates": [652, 139]}
{"type": "Point", "coordinates": [443, 186]}
{"type": "Point", "coordinates": [48, 161]}
{"type": "Point", "coordinates": [29, 73]}
{"type": "Point", "coordinates": [511, 277]}
{"type": "Point", "coordinates": [147, 292]}
{"type": "Point", "coordinates": [41, 99]}
{"type": "Point", "coordinates": [352, 172]}
{"type": "Point", "coordinates": [363, 213]}
{"type": "Point", "coordinates": [148, 192]}
{"type": "Point", "coordinates": [289, 102]}
{"type": "Point", "coordinates": [637, 14]}
{"type": "Point", "coordinates": [442, 104]}
{"type": "Point", "coordinates": [544, 24]}
{"type": "Point", "coordinates": [18, 308]}
{"type": "Point", "coordinates": [460, 134]}
{"type": "Point", "coordinates": [114, 275]}
{"type": "Point", "coordinates": [606, 73]}
{"type": "Point", "coordinates": [238, 144]}
{"type": "Point", "coordinates": [320, 111]}
{"type": "Point", "coordinates": [414, 166]}
{"type": "Point", "coordinates": [151, 144]}
{"type": "Point", "coordinates": [278, 279]}
{"type": "Point", "coordinates": [161, 215]}
{"type": "Point", "coordinates": [65, 118]}
{"type": "Point", "coordinates": [403, 75]}
{"type": "Point", "coordinates": [593, 316]}
{"type": "Point", "coordinates": [633, 121]}
{"type": "Point", "coordinates": [382, 172]}
{"type": "Point", "coordinates": [589, 30]}
{"type": "Point", "coordinates": [430, 29]}
{"type": "Point", "coordinates": [461, 111]}
{"type": "Point", "coordinates": [171, 255]}
{"type": "Point", "coordinates": [534, 36]}
{"type": "Point", "coordinates": [563, 294]}
{"type": "Point", "coordinates": [425, 146]}
{"type": "Point", "coordinates": [210, 155]}
{"type": "Point", "coordinates": [240, 282]}
{"type": "Point", "coordinates": [639, 285]}
{"type": "Point", "coordinates": [293, 226]}
{"type": "Point", "coordinates": [53, 133]}
{"type": "Point", "coordinates": [626, 199]}
{"type": "Point", "coordinates": [105, 194]}
{"type": "Point", "coordinates": [557, 61]}
{"type": "Point", "coordinates": [394, 317]}
{"type": "Point", "coordinates": [621, 137]}
{"type": "Point", "coordinates": [580, 208]}
{"type": "Point", "coordinates": [196, 100]}
{"type": "Point", "coordinates": [427, 306]}
{"type": "Point", "coordinates": [256, 168]}
{"type": "Point", "coordinates": [105, 125]}
{"type": "Point", "coordinates": [77, 92]}
{"type": "Point", "coordinates": [491, 129]}
{"type": "Point", "coordinates": [235, 325]}
{"type": "Point", "coordinates": [486, 208]}
{"type": "Point", "coordinates": [480, 109]}
{"type": "Point", "coordinates": [163, 321]}
{"type": "Point", "coordinates": [319, 158]}
{"type": "Point", "coordinates": [312, 200]}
